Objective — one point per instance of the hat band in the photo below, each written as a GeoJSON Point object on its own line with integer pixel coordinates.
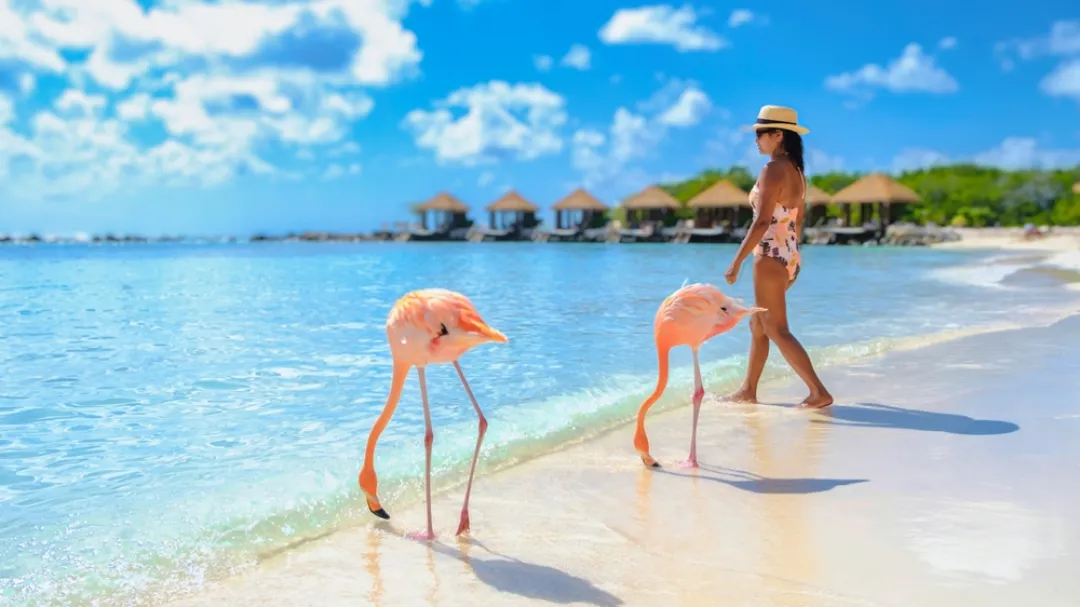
{"type": "Point", "coordinates": [767, 121]}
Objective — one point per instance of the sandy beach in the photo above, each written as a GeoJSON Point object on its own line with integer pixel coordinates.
{"type": "Point", "coordinates": [1058, 239]}
{"type": "Point", "coordinates": [946, 475]}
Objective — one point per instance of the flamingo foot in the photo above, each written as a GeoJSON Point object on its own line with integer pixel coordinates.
{"type": "Point", "coordinates": [464, 525]}
{"type": "Point", "coordinates": [688, 464]}
{"type": "Point", "coordinates": [421, 536]}
{"type": "Point", "coordinates": [649, 461]}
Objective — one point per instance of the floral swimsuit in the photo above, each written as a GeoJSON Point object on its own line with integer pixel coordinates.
{"type": "Point", "coordinates": [780, 240]}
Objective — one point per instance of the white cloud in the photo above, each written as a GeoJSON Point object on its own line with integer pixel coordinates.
{"type": "Point", "coordinates": [486, 178]}
{"type": "Point", "coordinates": [1064, 81]}
{"type": "Point", "coordinates": [1063, 39]}
{"type": "Point", "coordinates": [18, 43]}
{"type": "Point", "coordinates": [740, 16]}
{"type": "Point", "coordinates": [578, 57]}
{"type": "Point", "coordinates": [912, 72]}
{"type": "Point", "coordinates": [819, 162]}
{"type": "Point", "coordinates": [337, 171]}
{"type": "Point", "coordinates": [1024, 152]}
{"type": "Point", "coordinates": [688, 110]}
{"type": "Point", "coordinates": [604, 158]}
{"type": "Point", "coordinates": [946, 43]}
{"type": "Point", "coordinates": [1012, 153]}
{"type": "Point", "coordinates": [225, 31]}
{"type": "Point", "coordinates": [661, 24]}
{"type": "Point", "coordinates": [7, 110]}
{"type": "Point", "coordinates": [543, 62]}
{"type": "Point", "coordinates": [76, 102]}
{"type": "Point", "coordinates": [500, 120]}
{"type": "Point", "coordinates": [134, 108]}
{"type": "Point", "coordinates": [910, 159]}
{"type": "Point", "coordinates": [225, 79]}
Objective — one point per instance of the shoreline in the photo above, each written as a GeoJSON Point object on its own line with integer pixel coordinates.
{"type": "Point", "coordinates": [597, 468]}
{"type": "Point", "coordinates": [1062, 237]}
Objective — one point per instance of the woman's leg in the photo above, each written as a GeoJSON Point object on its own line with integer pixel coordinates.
{"type": "Point", "coordinates": [755, 364]}
{"type": "Point", "coordinates": [770, 284]}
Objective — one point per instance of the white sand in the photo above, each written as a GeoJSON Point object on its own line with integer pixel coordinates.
{"type": "Point", "coordinates": [956, 483]}
{"type": "Point", "coordinates": [1060, 239]}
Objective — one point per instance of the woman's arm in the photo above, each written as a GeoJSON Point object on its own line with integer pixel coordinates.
{"type": "Point", "coordinates": [768, 187]}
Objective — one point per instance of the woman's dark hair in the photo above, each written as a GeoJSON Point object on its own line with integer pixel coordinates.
{"type": "Point", "coordinates": [792, 144]}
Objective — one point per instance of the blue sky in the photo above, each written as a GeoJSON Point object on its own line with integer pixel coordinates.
{"type": "Point", "coordinates": [209, 117]}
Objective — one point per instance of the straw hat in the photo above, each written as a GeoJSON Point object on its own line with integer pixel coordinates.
{"type": "Point", "coordinates": [777, 117]}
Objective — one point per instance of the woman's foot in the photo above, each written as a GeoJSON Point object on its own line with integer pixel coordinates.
{"type": "Point", "coordinates": [743, 395]}
{"type": "Point", "coordinates": [817, 401]}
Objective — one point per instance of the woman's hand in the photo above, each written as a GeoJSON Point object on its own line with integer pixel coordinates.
{"type": "Point", "coordinates": [732, 273]}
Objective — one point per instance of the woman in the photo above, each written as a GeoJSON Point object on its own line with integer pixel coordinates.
{"type": "Point", "coordinates": [774, 238]}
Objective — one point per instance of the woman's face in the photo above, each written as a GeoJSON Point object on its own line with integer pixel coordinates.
{"type": "Point", "coordinates": [768, 141]}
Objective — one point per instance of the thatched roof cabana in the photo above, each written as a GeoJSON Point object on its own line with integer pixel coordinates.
{"type": "Point", "coordinates": [650, 198]}
{"type": "Point", "coordinates": [512, 202]}
{"type": "Point", "coordinates": [453, 210]}
{"type": "Point", "coordinates": [511, 211]}
{"type": "Point", "coordinates": [1076, 187]}
{"type": "Point", "coordinates": [579, 200]}
{"type": "Point", "coordinates": [876, 187]}
{"type": "Point", "coordinates": [720, 195]}
{"type": "Point", "coordinates": [445, 202]}
{"type": "Point", "coordinates": [816, 196]}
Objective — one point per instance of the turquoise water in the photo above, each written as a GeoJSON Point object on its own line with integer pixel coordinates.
{"type": "Point", "coordinates": [170, 412]}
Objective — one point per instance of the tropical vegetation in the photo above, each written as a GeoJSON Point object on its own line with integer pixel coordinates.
{"type": "Point", "coordinates": [958, 195]}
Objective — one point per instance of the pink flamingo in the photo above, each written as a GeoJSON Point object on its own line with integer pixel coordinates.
{"type": "Point", "coordinates": [690, 316]}
{"type": "Point", "coordinates": [428, 326]}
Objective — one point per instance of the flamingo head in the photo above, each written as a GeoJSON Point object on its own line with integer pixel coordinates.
{"type": "Point", "coordinates": [731, 312]}
{"type": "Point", "coordinates": [460, 328]}
{"type": "Point", "coordinates": [734, 308]}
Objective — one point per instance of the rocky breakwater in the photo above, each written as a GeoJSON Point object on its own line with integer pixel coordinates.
{"type": "Point", "coordinates": [909, 234]}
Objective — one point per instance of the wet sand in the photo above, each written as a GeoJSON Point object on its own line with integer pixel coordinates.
{"type": "Point", "coordinates": [947, 475]}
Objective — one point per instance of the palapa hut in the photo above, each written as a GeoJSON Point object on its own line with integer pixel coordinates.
{"type": "Point", "coordinates": [873, 190]}
{"type": "Point", "coordinates": [453, 212]}
{"type": "Point", "coordinates": [578, 201]}
{"type": "Point", "coordinates": [512, 212]}
{"type": "Point", "coordinates": [650, 204]}
{"type": "Point", "coordinates": [1076, 188]}
{"type": "Point", "coordinates": [817, 201]}
{"type": "Point", "coordinates": [722, 201]}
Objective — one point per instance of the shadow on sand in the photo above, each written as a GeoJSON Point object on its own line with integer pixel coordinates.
{"type": "Point", "coordinates": [869, 415]}
{"type": "Point", "coordinates": [508, 574]}
{"type": "Point", "coordinates": [754, 483]}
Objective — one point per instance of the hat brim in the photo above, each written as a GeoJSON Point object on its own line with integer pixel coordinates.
{"type": "Point", "coordinates": [798, 128]}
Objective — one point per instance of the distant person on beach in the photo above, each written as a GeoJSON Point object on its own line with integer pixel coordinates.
{"type": "Point", "coordinates": [778, 199]}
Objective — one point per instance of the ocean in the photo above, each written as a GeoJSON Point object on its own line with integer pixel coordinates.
{"type": "Point", "coordinates": [173, 413]}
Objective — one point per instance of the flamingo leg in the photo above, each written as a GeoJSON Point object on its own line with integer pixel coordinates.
{"type": "Point", "coordinates": [429, 439]}
{"type": "Point", "coordinates": [464, 525]}
{"type": "Point", "coordinates": [699, 394]}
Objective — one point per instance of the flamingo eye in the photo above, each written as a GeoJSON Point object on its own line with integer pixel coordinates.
{"type": "Point", "coordinates": [724, 310]}
{"type": "Point", "coordinates": [443, 330]}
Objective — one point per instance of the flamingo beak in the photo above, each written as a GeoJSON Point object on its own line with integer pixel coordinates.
{"type": "Point", "coordinates": [476, 326]}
